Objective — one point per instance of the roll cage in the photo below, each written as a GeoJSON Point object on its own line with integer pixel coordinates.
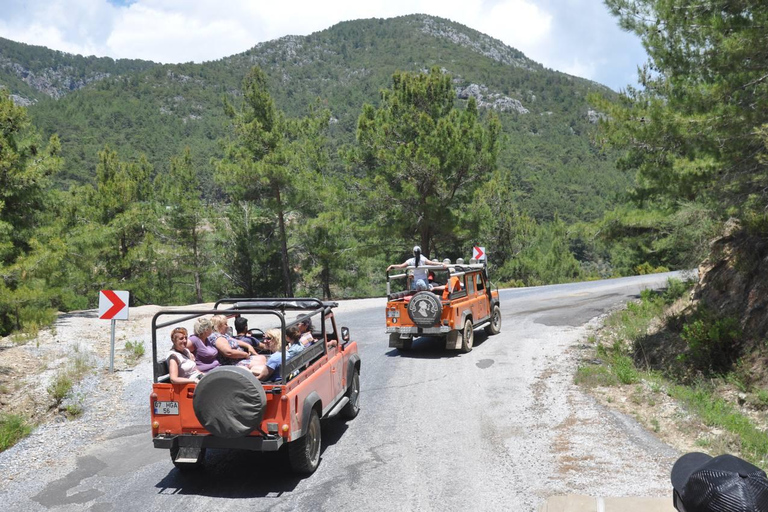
{"type": "Point", "coordinates": [256, 306]}
{"type": "Point", "coordinates": [454, 271]}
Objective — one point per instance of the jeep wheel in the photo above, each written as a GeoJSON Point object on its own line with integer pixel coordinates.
{"type": "Point", "coordinates": [467, 337]}
{"type": "Point", "coordinates": [353, 393]}
{"type": "Point", "coordinates": [495, 326]}
{"type": "Point", "coordinates": [189, 464]}
{"type": "Point", "coordinates": [304, 453]}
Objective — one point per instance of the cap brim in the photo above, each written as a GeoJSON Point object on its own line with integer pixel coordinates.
{"type": "Point", "coordinates": [685, 466]}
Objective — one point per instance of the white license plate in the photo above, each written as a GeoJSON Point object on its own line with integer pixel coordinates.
{"type": "Point", "coordinates": [167, 408]}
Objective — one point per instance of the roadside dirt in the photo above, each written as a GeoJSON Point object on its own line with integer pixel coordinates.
{"type": "Point", "coordinates": [78, 345]}
{"type": "Point", "coordinates": [652, 406]}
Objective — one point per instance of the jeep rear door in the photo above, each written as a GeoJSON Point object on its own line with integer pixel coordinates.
{"type": "Point", "coordinates": [482, 299]}
{"type": "Point", "coordinates": [335, 361]}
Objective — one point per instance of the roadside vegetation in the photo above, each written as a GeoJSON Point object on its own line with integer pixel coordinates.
{"type": "Point", "coordinates": [665, 350]}
{"type": "Point", "coordinates": [62, 387]}
{"type": "Point", "coordinates": [13, 428]}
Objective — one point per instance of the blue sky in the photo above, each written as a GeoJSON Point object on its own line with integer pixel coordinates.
{"type": "Point", "coordinates": [578, 37]}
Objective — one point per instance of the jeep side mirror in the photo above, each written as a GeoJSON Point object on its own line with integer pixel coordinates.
{"type": "Point", "coordinates": [345, 334]}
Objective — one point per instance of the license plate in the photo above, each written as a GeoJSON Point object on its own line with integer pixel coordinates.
{"type": "Point", "coordinates": [167, 408]}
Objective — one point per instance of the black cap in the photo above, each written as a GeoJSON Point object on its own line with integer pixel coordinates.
{"type": "Point", "coordinates": [719, 484]}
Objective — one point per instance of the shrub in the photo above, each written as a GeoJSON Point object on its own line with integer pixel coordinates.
{"type": "Point", "coordinates": [714, 344]}
{"type": "Point", "coordinates": [13, 428]}
{"type": "Point", "coordinates": [60, 387]}
{"type": "Point", "coordinates": [675, 289]}
{"type": "Point", "coordinates": [135, 350]}
{"type": "Point", "coordinates": [625, 370]}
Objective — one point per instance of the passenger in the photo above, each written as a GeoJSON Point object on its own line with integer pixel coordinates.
{"type": "Point", "coordinates": [271, 370]}
{"type": "Point", "coordinates": [419, 273]}
{"type": "Point", "coordinates": [305, 329]}
{"type": "Point", "coordinates": [181, 363]}
{"type": "Point", "coordinates": [454, 285]}
{"type": "Point", "coordinates": [233, 351]}
{"type": "Point", "coordinates": [431, 280]}
{"type": "Point", "coordinates": [241, 333]}
{"type": "Point", "coordinates": [206, 353]}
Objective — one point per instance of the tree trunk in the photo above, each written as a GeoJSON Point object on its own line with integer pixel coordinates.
{"type": "Point", "coordinates": [287, 286]}
{"type": "Point", "coordinates": [326, 277]}
{"type": "Point", "coordinates": [196, 259]}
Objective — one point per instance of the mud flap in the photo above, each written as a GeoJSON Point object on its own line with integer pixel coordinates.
{"type": "Point", "coordinates": [453, 340]}
{"type": "Point", "coordinates": [188, 451]}
{"type": "Point", "coordinates": [395, 341]}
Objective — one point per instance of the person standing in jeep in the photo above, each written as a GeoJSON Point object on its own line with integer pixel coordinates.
{"type": "Point", "coordinates": [419, 273]}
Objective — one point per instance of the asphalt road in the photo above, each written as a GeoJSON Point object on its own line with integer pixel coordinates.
{"type": "Point", "coordinates": [500, 428]}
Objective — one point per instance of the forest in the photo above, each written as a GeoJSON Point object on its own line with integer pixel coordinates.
{"type": "Point", "coordinates": [303, 167]}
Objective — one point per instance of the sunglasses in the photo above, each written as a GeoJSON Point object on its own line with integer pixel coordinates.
{"type": "Point", "coordinates": [268, 338]}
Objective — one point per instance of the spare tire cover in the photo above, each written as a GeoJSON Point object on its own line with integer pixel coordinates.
{"type": "Point", "coordinates": [229, 401]}
{"type": "Point", "coordinates": [425, 309]}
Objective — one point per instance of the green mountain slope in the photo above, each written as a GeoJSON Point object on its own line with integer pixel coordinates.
{"type": "Point", "coordinates": [160, 109]}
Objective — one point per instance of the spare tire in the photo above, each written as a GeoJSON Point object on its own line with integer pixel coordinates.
{"type": "Point", "coordinates": [425, 309]}
{"type": "Point", "coordinates": [229, 402]}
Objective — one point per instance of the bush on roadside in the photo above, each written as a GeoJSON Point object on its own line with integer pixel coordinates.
{"type": "Point", "coordinates": [713, 344]}
{"type": "Point", "coordinates": [60, 387]}
{"type": "Point", "coordinates": [13, 428]}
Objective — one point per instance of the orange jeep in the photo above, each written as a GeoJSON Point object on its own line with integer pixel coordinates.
{"type": "Point", "coordinates": [446, 310]}
{"type": "Point", "coordinates": [230, 408]}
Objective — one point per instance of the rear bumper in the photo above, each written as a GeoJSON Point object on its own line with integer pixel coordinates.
{"type": "Point", "coordinates": [443, 329]}
{"type": "Point", "coordinates": [252, 443]}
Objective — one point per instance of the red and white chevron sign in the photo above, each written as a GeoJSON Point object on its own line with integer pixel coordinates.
{"type": "Point", "coordinates": [478, 253]}
{"type": "Point", "coordinates": [113, 305]}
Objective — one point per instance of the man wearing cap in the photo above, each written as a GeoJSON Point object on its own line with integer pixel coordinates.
{"type": "Point", "coordinates": [419, 272]}
{"type": "Point", "coordinates": [718, 484]}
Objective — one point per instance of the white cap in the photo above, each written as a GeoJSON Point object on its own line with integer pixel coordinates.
{"type": "Point", "coordinates": [416, 248]}
{"type": "Point", "coordinates": [447, 261]}
{"type": "Point", "coordinates": [459, 261]}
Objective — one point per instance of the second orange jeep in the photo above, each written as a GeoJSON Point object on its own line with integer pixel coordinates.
{"type": "Point", "coordinates": [453, 314]}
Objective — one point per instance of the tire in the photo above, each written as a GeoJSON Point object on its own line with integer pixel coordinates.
{"type": "Point", "coordinates": [467, 336]}
{"type": "Point", "coordinates": [229, 402]}
{"type": "Point", "coordinates": [495, 326]}
{"type": "Point", "coordinates": [304, 453]}
{"type": "Point", "coordinates": [352, 408]}
{"type": "Point", "coordinates": [425, 309]}
{"type": "Point", "coordinates": [188, 466]}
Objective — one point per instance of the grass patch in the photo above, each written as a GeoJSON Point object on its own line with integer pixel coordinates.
{"type": "Point", "coordinates": [134, 351]}
{"type": "Point", "coordinates": [74, 410]}
{"type": "Point", "coordinates": [716, 412]}
{"type": "Point", "coordinates": [63, 383]}
{"type": "Point", "coordinates": [60, 387]}
{"type": "Point", "coordinates": [707, 339]}
{"type": "Point", "coordinates": [13, 428]}
{"type": "Point", "coordinates": [595, 375]}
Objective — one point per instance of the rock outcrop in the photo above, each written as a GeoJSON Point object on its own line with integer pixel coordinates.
{"type": "Point", "coordinates": [733, 281]}
{"type": "Point", "coordinates": [496, 101]}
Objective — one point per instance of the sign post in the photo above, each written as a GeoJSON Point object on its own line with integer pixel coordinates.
{"type": "Point", "coordinates": [113, 305]}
